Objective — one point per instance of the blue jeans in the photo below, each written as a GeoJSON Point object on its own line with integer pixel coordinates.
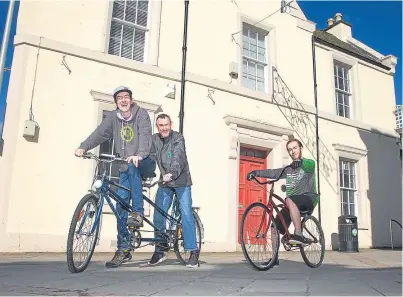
{"type": "Point", "coordinates": [163, 200]}
{"type": "Point", "coordinates": [131, 178]}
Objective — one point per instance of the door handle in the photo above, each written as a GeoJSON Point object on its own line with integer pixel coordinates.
{"type": "Point", "coordinates": [240, 205]}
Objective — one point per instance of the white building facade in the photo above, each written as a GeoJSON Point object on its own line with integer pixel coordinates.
{"type": "Point", "coordinates": [249, 88]}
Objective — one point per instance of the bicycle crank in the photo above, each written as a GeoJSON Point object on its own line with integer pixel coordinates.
{"type": "Point", "coordinates": [136, 238]}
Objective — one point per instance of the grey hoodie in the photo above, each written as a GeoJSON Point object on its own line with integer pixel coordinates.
{"type": "Point", "coordinates": [170, 155]}
{"type": "Point", "coordinates": [131, 137]}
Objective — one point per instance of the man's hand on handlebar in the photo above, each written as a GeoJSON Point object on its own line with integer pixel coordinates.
{"type": "Point", "coordinates": [134, 159]}
{"type": "Point", "coordinates": [251, 175]}
{"type": "Point", "coordinates": [79, 152]}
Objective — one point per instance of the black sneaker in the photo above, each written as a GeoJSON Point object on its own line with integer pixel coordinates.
{"type": "Point", "coordinates": [119, 258]}
{"type": "Point", "coordinates": [193, 259]}
{"type": "Point", "coordinates": [297, 239]}
{"type": "Point", "coordinates": [157, 258]}
{"type": "Point", "coordinates": [134, 220]}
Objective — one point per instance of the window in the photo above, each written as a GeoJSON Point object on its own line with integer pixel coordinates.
{"type": "Point", "coordinates": [254, 58]}
{"type": "Point", "coordinates": [348, 187]}
{"type": "Point", "coordinates": [399, 117]}
{"type": "Point", "coordinates": [108, 148]}
{"type": "Point", "coordinates": [253, 153]}
{"type": "Point", "coordinates": [128, 29]}
{"type": "Point", "coordinates": [343, 90]}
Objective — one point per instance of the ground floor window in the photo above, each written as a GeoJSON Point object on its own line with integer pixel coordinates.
{"type": "Point", "coordinates": [348, 187]}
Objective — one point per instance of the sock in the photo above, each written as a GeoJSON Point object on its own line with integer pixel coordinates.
{"type": "Point", "coordinates": [299, 233]}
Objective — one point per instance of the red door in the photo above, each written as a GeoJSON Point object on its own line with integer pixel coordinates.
{"type": "Point", "coordinates": [250, 191]}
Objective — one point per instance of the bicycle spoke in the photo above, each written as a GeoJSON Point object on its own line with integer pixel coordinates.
{"type": "Point", "coordinates": [83, 238]}
{"type": "Point", "coordinates": [313, 253]}
{"type": "Point", "coordinates": [258, 241]}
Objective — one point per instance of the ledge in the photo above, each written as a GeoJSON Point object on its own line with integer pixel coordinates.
{"type": "Point", "coordinates": [96, 56]}
{"type": "Point", "coordinates": [259, 126]}
{"type": "Point", "coordinates": [108, 98]}
{"type": "Point", "coordinates": [116, 61]}
{"type": "Point", "coordinates": [306, 25]}
{"type": "Point", "coordinates": [350, 152]}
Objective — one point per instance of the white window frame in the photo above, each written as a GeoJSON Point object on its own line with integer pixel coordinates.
{"type": "Point", "coordinates": [345, 91]}
{"type": "Point", "coordinates": [352, 167]}
{"type": "Point", "coordinates": [129, 24]}
{"type": "Point", "coordinates": [265, 63]}
{"type": "Point", "coordinates": [358, 156]}
{"type": "Point", "coordinates": [399, 116]}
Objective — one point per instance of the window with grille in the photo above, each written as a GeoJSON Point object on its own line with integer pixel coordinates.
{"type": "Point", "coordinates": [254, 56]}
{"type": "Point", "coordinates": [348, 187]}
{"type": "Point", "coordinates": [343, 90]}
{"type": "Point", "coordinates": [128, 29]}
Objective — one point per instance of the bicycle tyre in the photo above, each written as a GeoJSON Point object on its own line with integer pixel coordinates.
{"type": "Point", "coordinates": [322, 244]}
{"type": "Point", "coordinates": [198, 231]}
{"type": "Point", "coordinates": [269, 264]}
{"type": "Point", "coordinates": [70, 239]}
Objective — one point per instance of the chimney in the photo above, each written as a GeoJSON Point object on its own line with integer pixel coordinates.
{"type": "Point", "coordinates": [330, 22]}
{"type": "Point", "coordinates": [338, 16]}
{"type": "Point", "coordinates": [339, 28]}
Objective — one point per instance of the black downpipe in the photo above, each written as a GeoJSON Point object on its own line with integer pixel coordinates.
{"type": "Point", "coordinates": [315, 86]}
{"type": "Point", "coordinates": [184, 50]}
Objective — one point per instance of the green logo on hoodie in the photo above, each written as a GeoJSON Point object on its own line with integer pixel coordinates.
{"type": "Point", "coordinates": [169, 155]}
{"type": "Point", "coordinates": [127, 133]}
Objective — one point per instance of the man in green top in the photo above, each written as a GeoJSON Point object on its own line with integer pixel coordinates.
{"type": "Point", "coordinates": [300, 188]}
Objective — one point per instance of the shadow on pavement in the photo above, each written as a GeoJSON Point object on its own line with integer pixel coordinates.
{"type": "Point", "coordinates": [215, 276]}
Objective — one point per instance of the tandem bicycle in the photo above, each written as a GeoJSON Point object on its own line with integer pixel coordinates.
{"type": "Point", "coordinates": [90, 209]}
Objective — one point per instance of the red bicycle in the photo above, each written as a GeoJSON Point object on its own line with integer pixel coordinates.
{"type": "Point", "coordinates": [262, 215]}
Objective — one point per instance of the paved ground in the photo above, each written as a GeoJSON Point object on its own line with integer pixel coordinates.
{"type": "Point", "coordinates": [370, 272]}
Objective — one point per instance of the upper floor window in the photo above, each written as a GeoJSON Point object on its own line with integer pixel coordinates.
{"type": "Point", "coordinates": [128, 29]}
{"type": "Point", "coordinates": [343, 89]}
{"type": "Point", "coordinates": [254, 58]}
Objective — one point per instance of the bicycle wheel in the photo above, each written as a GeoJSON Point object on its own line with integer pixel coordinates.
{"type": "Point", "coordinates": [314, 252]}
{"type": "Point", "coordinates": [184, 256]}
{"type": "Point", "coordinates": [256, 237]}
{"type": "Point", "coordinates": [84, 228]}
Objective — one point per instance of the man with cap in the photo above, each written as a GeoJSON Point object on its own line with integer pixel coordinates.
{"type": "Point", "coordinates": [130, 127]}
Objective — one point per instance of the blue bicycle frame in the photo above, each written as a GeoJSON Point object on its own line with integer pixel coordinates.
{"type": "Point", "coordinates": [104, 192]}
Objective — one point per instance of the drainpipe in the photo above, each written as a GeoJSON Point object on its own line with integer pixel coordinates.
{"type": "Point", "coordinates": [184, 50]}
{"type": "Point", "coordinates": [315, 86]}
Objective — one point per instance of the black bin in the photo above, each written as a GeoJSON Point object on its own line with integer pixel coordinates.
{"type": "Point", "coordinates": [348, 234]}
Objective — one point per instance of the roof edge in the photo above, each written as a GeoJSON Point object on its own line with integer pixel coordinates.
{"type": "Point", "coordinates": [324, 42]}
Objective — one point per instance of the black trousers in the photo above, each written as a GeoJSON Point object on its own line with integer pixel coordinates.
{"type": "Point", "coordinates": [303, 202]}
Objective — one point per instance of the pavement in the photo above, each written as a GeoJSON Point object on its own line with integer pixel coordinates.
{"type": "Point", "coordinates": [370, 272]}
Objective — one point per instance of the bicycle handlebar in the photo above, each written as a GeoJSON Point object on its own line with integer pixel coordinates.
{"type": "Point", "coordinates": [272, 180]}
{"type": "Point", "coordinates": [96, 158]}
{"type": "Point", "coordinates": [89, 155]}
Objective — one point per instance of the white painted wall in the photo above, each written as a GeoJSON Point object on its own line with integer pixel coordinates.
{"type": "Point", "coordinates": [50, 187]}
